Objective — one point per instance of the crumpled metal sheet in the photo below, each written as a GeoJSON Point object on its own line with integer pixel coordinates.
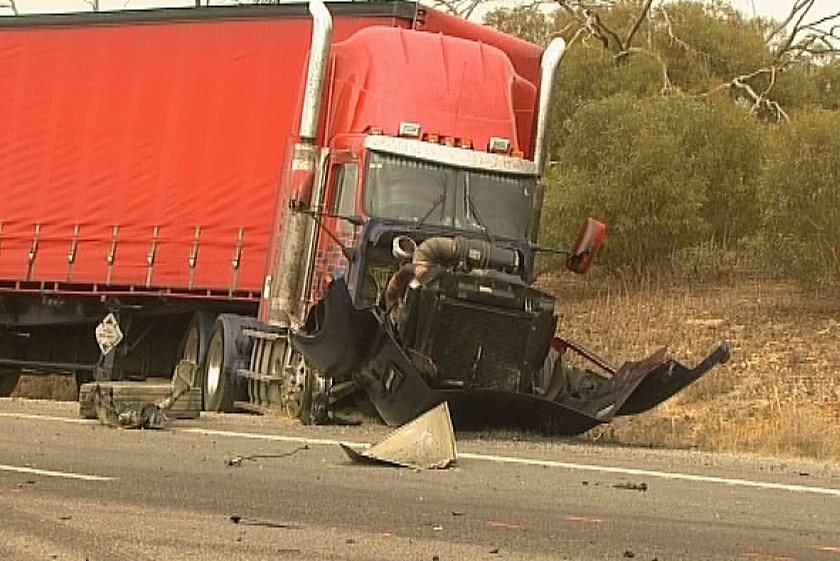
{"type": "Point", "coordinates": [427, 442]}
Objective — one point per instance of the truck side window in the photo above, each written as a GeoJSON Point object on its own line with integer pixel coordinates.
{"type": "Point", "coordinates": [346, 182]}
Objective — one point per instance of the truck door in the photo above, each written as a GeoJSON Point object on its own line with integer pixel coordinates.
{"type": "Point", "coordinates": [338, 233]}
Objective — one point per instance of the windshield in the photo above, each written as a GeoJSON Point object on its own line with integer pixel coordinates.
{"type": "Point", "coordinates": [495, 204]}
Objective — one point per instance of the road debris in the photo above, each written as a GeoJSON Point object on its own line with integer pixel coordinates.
{"type": "Point", "coordinates": [427, 442]}
{"type": "Point", "coordinates": [632, 486]}
{"type": "Point", "coordinates": [245, 521]}
{"type": "Point", "coordinates": [144, 415]}
{"type": "Point", "coordinates": [236, 461]}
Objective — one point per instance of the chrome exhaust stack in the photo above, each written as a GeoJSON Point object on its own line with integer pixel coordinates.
{"type": "Point", "coordinates": [550, 61]}
{"type": "Point", "coordinates": [290, 276]}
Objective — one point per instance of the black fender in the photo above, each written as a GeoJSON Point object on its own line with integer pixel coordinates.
{"type": "Point", "coordinates": [337, 337]}
{"type": "Point", "coordinates": [667, 378]}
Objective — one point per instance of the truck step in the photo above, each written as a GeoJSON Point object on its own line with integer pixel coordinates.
{"type": "Point", "coordinates": [265, 335]}
{"type": "Point", "coordinates": [188, 405]}
{"type": "Point", "coordinates": [254, 375]}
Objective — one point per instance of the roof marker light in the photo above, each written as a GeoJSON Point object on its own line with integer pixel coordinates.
{"type": "Point", "coordinates": [409, 130]}
{"type": "Point", "coordinates": [498, 145]}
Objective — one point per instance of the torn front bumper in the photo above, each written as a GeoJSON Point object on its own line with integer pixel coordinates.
{"type": "Point", "coordinates": [344, 341]}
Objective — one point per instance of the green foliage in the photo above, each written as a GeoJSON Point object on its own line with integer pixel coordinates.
{"type": "Point", "coordinates": [800, 195]}
{"type": "Point", "coordinates": [808, 85]}
{"type": "Point", "coordinates": [622, 162]}
{"type": "Point", "coordinates": [523, 21]}
{"type": "Point", "coordinates": [674, 177]}
{"type": "Point", "coordinates": [725, 150]}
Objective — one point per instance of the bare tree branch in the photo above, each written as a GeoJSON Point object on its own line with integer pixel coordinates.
{"type": "Point", "coordinates": [588, 15]}
{"type": "Point", "coordinates": [463, 8]}
{"type": "Point", "coordinates": [796, 36]}
{"type": "Point", "coordinates": [674, 39]}
{"type": "Point", "coordinates": [638, 23]}
{"type": "Point", "coordinates": [753, 101]}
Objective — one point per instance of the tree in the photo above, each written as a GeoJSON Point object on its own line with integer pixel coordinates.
{"type": "Point", "coordinates": [625, 161]}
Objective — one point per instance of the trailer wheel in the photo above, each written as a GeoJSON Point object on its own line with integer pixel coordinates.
{"type": "Point", "coordinates": [221, 364]}
{"type": "Point", "coordinates": [194, 344]}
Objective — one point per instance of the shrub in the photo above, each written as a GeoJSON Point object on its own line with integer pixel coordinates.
{"type": "Point", "coordinates": [800, 196]}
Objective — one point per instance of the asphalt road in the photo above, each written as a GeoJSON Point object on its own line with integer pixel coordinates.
{"type": "Point", "coordinates": [75, 490]}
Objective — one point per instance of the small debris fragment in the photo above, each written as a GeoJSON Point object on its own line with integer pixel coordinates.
{"type": "Point", "coordinates": [236, 461]}
{"type": "Point", "coordinates": [236, 519]}
{"type": "Point", "coordinates": [632, 486]}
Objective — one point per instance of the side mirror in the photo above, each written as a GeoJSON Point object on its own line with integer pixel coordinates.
{"type": "Point", "coordinates": [589, 242]}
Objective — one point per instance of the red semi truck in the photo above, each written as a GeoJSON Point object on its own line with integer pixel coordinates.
{"type": "Point", "coordinates": [302, 202]}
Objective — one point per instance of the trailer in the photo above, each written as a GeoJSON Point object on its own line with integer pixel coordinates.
{"type": "Point", "coordinates": [303, 202]}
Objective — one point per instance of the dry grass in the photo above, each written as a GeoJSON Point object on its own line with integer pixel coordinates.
{"type": "Point", "coordinates": [779, 394]}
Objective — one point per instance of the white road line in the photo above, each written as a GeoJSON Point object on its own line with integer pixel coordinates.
{"type": "Point", "coordinates": [275, 437]}
{"type": "Point", "coordinates": [658, 474]}
{"type": "Point", "coordinates": [500, 459]}
{"type": "Point", "coordinates": [551, 464]}
{"type": "Point", "coordinates": [48, 473]}
{"type": "Point", "coordinates": [43, 418]}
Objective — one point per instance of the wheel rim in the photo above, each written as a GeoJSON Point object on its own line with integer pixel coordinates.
{"type": "Point", "coordinates": [214, 366]}
{"type": "Point", "coordinates": [296, 388]}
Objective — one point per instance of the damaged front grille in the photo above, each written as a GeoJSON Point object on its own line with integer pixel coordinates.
{"type": "Point", "coordinates": [478, 332]}
{"type": "Point", "coordinates": [475, 347]}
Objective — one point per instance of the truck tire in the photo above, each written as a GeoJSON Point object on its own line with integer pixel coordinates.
{"type": "Point", "coordinates": [223, 360]}
{"type": "Point", "coordinates": [195, 342]}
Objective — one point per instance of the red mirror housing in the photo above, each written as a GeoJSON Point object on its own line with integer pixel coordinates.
{"type": "Point", "coordinates": [589, 242]}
